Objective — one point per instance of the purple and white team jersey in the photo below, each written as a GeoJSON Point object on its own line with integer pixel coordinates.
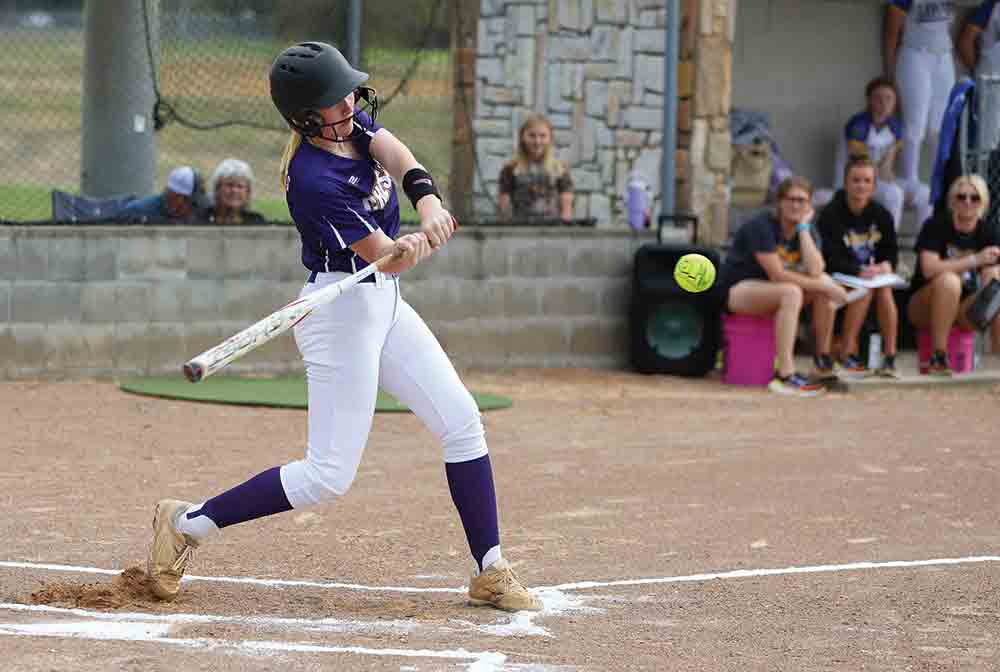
{"type": "Point", "coordinates": [336, 201]}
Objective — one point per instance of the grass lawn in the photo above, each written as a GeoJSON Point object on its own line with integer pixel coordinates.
{"type": "Point", "coordinates": [25, 202]}
{"type": "Point", "coordinates": [40, 80]}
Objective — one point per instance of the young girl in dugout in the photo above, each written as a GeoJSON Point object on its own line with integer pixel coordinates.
{"type": "Point", "coordinates": [534, 184]}
{"type": "Point", "coordinates": [775, 267]}
{"type": "Point", "coordinates": [338, 172]}
{"type": "Point", "coordinates": [859, 238]}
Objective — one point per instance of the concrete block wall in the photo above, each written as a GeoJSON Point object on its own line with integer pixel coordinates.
{"type": "Point", "coordinates": [118, 301]}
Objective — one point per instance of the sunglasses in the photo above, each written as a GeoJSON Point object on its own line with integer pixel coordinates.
{"type": "Point", "coordinates": [971, 198]}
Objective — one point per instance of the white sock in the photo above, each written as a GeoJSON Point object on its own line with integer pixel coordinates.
{"type": "Point", "coordinates": [199, 527]}
{"type": "Point", "coordinates": [491, 557]}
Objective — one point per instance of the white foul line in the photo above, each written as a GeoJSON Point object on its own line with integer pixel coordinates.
{"type": "Point", "coordinates": [581, 585]}
{"type": "Point", "coordinates": [753, 573]}
{"type": "Point", "coordinates": [75, 569]}
{"type": "Point", "coordinates": [330, 625]}
{"type": "Point", "coordinates": [154, 635]}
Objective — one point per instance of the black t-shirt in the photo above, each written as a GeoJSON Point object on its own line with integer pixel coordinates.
{"type": "Point", "coordinates": [852, 241]}
{"type": "Point", "coordinates": [761, 233]}
{"type": "Point", "coordinates": [939, 235]}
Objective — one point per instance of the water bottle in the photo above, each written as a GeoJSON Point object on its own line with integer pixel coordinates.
{"type": "Point", "coordinates": [874, 351]}
{"type": "Point", "coordinates": [637, 201]}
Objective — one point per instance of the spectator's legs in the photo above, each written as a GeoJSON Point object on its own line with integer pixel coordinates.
{"type": "Point", "coordinates": [890, 195]}
{"type": "Point", "coordinates": [935, 307]}
{"type": "Point", "coordinates": [888, 319]}
{"type": "Point", "coordinates": [854, 317]}
{"type": "Point", "coordinates": [823, 313]}
{"type": "Point", "coordinates": [784, 301]}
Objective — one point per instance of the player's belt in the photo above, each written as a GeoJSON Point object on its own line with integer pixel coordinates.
{"type": "Point", "coordinates": [371, 278]}
{"type": "Point", "coordinates": [932, 50]}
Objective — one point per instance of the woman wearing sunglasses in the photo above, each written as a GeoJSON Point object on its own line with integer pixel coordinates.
{"type": "Point", "coordinates": [957, 255]}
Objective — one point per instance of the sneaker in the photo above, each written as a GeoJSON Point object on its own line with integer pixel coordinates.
{"type": "Point", "coordinates": [854, 367]}
{"type": "Point", "coordinates": [823, 369]}
{"type": "Point", "coordinates": [796, 385]}
{"type": "Point", "coordinates": [888, 368]}
{"type": "Point", "coordinates": [498, 586]}
{"type": "Point", "coordinates": [938, 365]}
{"type": "Point", "coordinates": [170, 551]}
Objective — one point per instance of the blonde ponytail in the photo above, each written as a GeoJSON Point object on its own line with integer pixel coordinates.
{"type": "Point", "coordinates": [286, 158]}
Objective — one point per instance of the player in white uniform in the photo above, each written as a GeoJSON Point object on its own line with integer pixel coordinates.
{"type": "Point", "coordinates": [339, 171]}
{"type": "Point", "coordinates": [983, 26]}
{"type": "Point", "coordinates": [923, 69]}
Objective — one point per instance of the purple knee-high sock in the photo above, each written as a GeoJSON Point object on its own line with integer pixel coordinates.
{"type": "Point", "coordinates": [471, 485]}
{"type": "Point", "coordinates": [263, 495]}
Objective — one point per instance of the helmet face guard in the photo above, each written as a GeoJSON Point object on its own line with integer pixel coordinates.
{"type": "Point", "coordinates": [310, 122]}
{"type": "Point", "coordinates": [310, 76]}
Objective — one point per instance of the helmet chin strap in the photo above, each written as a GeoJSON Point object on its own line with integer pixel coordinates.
{"type": "Point", "coordinates": [362, 93]}
{"type": "Point", "coordinates": [356, 130]}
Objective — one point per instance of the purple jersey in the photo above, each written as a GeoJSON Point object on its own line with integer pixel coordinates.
{"type": "Point", "coordinates": [336, 201]}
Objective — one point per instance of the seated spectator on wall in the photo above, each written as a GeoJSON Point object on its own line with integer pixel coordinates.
{"type": "Point", "coordinates": [876, 133]}
{"type": "Point", "coordinates": [176, 204]}
{"type": "Point", "coordinates": [775, 267]}
{"type": "Point", "coordinates": [534, 184]}
{"type": "Point", "coordinates": [231, 188]}
{"type": "Point", "coordinates": [957, 255]}
{"type": "Point", "coordinates": [859, 239]}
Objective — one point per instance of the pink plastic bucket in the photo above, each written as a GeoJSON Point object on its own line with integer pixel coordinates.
{"type": "Point", "coordinates": [961, 349]}
{"type": "Point", "coordinates": [748, 343]}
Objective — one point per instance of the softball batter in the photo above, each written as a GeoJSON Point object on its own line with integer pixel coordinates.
{"type": "Point", "coordinates": [924, 71]}
{"type": "Point", "coordinates": [338, 171]}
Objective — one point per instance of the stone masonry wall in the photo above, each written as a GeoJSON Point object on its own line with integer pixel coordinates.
{"type": "Point", "coordinates": [103, 300]}
{"type": "Point", "coordinates": [595, 69]}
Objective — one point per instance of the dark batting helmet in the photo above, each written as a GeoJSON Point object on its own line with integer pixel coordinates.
{"type": "Point", "coordinates": [312, 75]}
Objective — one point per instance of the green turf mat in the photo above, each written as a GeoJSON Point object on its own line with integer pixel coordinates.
{"type": "Point", "coordinates": [279, 392]}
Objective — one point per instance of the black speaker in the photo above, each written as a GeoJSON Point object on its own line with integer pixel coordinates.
{"type": "Point", "coordinates": [673, 331]}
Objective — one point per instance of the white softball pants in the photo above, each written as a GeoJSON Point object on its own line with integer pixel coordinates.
{"type": "Point", "coordinates": [893, 195]}
{"type": "Point", "coordinates": [925, 79]}
{"type": "Point", "coordinates": [367, 339]}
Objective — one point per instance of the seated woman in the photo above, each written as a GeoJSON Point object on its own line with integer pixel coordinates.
{"type": "Point", "coordinates": [859, 239]}
{"type": "Point", "coordinates": [957, 255]}
{"type": "Point", "coordinates": [534, 184]}
{"type": "Point", "coordinates": [231, 189]}
{"type": "Point", "coordinates": [876, 133]}
{"type": "Point", "coordinates": [775, 267]}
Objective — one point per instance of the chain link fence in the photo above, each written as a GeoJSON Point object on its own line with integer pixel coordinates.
{"type": "Point", "coordinates": [980, 141]}
{"type": "Point", "coordinates": [209, 75]}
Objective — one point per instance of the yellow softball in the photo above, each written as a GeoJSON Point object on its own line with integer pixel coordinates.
{"type": "Point", "coordinates": [694, 272]}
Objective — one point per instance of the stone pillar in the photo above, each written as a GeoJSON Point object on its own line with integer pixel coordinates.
{"type": "Point", "coordinates": [464, 29]}
{"type": "Point", "coordinates": [705, 91]}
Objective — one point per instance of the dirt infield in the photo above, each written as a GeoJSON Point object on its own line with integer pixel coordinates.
{"type": "Point", "coordinates": [645, 510]}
